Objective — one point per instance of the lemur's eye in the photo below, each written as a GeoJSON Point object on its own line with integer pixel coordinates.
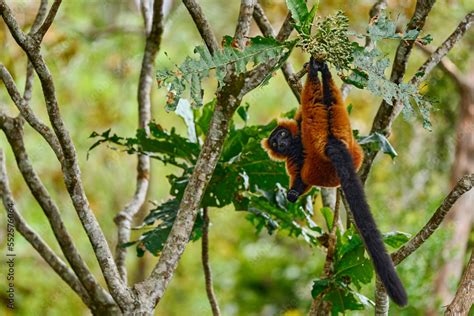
{"type": "Point", "coordinates": [274, 144]}
{"type": "Point", "coordinates": [283, 133]}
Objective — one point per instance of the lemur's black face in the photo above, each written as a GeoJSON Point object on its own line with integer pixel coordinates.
{"type": "Point", "coordinates": [280, 141]}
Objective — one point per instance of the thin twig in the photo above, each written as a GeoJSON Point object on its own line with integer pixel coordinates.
{"type": "Point", "coordinates": [202, 25]}
{"type": "Point", "coordinates": [125, 217]}
{"type": "Point", "coordinates": [35, 240]}
{"type": "Point", "coordinates": [38, 35]}
{"type": "Point", "coordinates": [70, 166]}
{"type": "Point", "coordinates": [318, 305]}
{"type": "Point", "coordinates": [205, 264]}
{"type": "Point", "coordinates": [28, 114]}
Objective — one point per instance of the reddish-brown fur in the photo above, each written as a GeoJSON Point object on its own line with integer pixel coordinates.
{"type": "Point", "coordinates": [317, 122]}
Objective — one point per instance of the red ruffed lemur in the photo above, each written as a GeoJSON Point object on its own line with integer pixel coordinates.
{"type": "Point", "coordinates": [319, 149]}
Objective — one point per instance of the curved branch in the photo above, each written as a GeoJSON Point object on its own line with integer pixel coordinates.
{"type": "Point", "coordinates": [28, 114]}
{"type": "Point", "coordinates": [35, 240]}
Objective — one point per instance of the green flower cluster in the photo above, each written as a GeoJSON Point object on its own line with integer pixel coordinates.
{"type": "Point", "coordinates": [330, 42]}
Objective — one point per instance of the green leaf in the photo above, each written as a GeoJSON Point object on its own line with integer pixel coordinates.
{"type": "Point", "coordinates": [377, 141]}
{"type": "Point", "coordinates": [342, 299]}
{"type": "Point", "coordinates": [242, 111]}
{"type": "Point", "coordinates": [351, 265]}
{"type": "Point", "coordinates": [319, 285]}
{"type": "Point", "coordinates": [396, 239]}
{"type": "Point", "coordinates": [299, 13]}
{"type": "Point", "coordinates": [165, 215]}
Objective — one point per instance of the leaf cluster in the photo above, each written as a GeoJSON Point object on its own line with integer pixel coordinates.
{"type": "Point", "coordinates": [244, 177]}
{"type": "Point", "coordinates": [351, 270]}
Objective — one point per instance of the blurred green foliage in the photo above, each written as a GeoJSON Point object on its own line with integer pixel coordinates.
{"type": "Point", "coordinates": [94, 51]}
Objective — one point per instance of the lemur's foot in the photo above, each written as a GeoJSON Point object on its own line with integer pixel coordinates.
{"type": "Point", "coordinates": [292, 196]}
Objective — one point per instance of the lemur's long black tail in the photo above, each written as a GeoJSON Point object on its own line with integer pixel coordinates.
{"type": "Point", "coordinates": [351, 185]}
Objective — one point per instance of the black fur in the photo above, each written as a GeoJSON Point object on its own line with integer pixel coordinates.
{"type": "Point", "coordinates": [296, 156]}
{"type": "Point", "coordinates": [353, 190]}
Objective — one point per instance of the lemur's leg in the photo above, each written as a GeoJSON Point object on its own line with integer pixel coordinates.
{"type": "Point", "coordinates": [331, 93]}
{"type": "Point", "coordinates": [312, 91]}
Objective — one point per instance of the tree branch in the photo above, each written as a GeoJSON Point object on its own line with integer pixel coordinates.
{"type": "Point", "coordinates": [13, 129]}
{"type": "Point", "coordinates": [446, 65]}
{"type": "Point", "coordinates": [267, 30]}
{"type": "Point", "coordinates": [205, 264]}
{"type": "Point", "coordinates": [70, 166]}
{"type": "Point", "coordinates": [464, 298]}
{"type": "Point", "coordinates": [28, 114]}
{"type": "Point", "coordinates": [125, 217]}
{"type": "Point", "coordinates": [285, 29]}
{"type": "Point", "coordinates": [387, 113]}
{"type": "Point", "coordinates": [35, 240]}
{"type": "Point", "coordinates": [42, 11]}
{"type": "Point", "coordinates": [38, 35]}
{"type": "Point", "coordinates": [242, 29]}
{"type": "Point", "coordinates": [464, 185]}
{"type": "Point", "coordinates": [443, 49]}
{"type": "Point", "coordinates": [202, 25]}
